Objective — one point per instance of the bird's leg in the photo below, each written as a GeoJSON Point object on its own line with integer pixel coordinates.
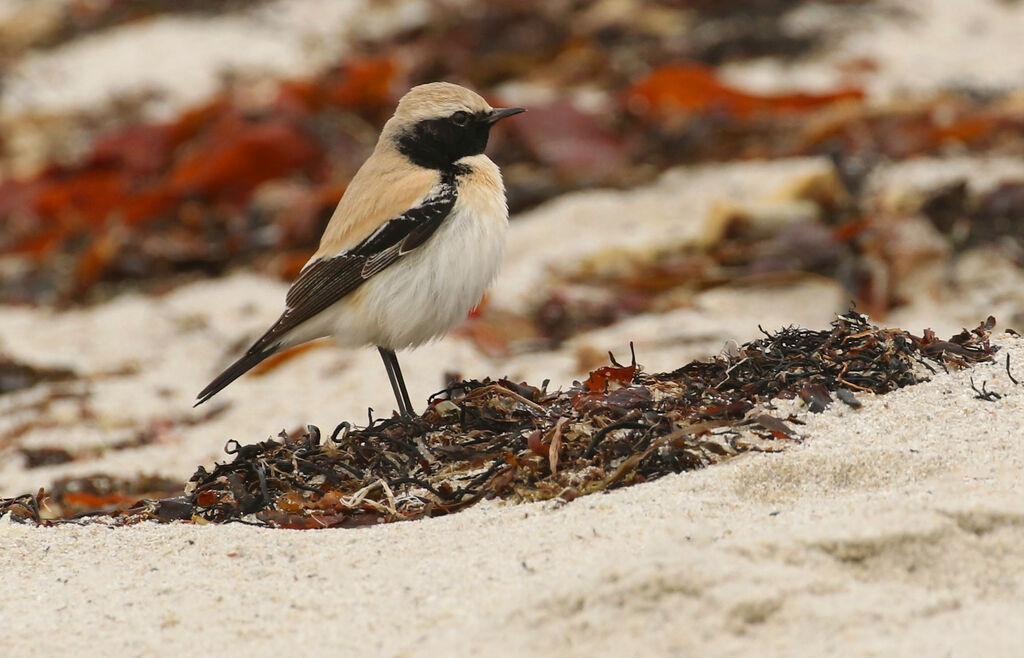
{"type": "Point", "coordinates": [397, 382]}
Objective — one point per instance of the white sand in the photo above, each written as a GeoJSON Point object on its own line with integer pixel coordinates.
{"type": "Point", "coordinates": [911, 47]}
{"type": "Point", "coordinates": [892, 530]}
{"type": "Point", "coordinates": [914, 47]}
{"type": "Point", "coordinates": [183, 58]}
{"type": "Point", "coordinates": [671, 211]}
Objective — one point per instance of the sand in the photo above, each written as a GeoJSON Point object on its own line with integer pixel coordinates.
{"type": "Point", "coordinates": [909, 47]}
{"type": "Point", "coordinates": [276, 39]}
{"type": "Point", "coordinates": [892, 529]}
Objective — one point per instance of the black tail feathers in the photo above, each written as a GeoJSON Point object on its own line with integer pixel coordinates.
{"type": "Point", "coordinates": [234, 371]}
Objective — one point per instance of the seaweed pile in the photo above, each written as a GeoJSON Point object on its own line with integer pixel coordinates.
{"type": "Point", "coordinates": [516, 442]}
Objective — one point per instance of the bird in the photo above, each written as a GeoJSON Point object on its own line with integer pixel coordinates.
{"type": "Point", "coordinates": [415, 241]}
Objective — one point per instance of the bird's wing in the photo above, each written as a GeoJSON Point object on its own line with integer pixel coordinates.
{"type": "Point", "coordinates": [386, 186]}
{"type": "Point", "coordinates": [324, 281]}
{"type": "Point", "coordinates": [327, 280]}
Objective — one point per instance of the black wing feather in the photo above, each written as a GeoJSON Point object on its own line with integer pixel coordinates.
{"type": "Point", "coordinates": [325, 281]}
{"type": "Point", "coordinates": [234, 371]}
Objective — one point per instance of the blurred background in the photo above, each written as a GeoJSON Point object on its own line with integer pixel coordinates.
{"type": "Point", "coordinates": [687, 171]}
{"type": "Point", "coordinates": [147, 143]}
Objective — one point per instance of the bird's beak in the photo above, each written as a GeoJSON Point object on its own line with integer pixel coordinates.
{"type": "Point", "coordinates": [499, 113]}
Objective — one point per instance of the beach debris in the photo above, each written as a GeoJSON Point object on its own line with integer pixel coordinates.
{"type": "Point", "coordinates": [38, 415]}
{"type": "Point", "coordinates": [97, 496]}
{"type": "Point", "coordinates": [46, 25]}
{"type": "Point", "coordinates": [884, 258]}
{"type": "Point", "coordinates": [983, 393]}
{"type": "Point", "coordinates": [149, 201]}
{"type": "Point", "coordinates": [45, 456]}
{"type": "Point", "coordinates": [506, 440]}
{"type": "Point", "coordinates": [625, 91]}
{"type": "Point", "coordinates": [15, 375]}
{"type": "Point", "coordinates": [848, 398]}
{"type": "Point", "coordinates": [685, 89]}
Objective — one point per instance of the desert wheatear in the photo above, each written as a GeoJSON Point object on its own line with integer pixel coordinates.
{"type": "Point", "coordinates": [415, 241]}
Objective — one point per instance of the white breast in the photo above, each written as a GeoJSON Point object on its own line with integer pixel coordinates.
{"type": "Point", "coordinates": [431, 290]}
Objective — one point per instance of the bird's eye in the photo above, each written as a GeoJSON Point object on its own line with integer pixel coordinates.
{"type": "Point", "coordinates": [460, 118]}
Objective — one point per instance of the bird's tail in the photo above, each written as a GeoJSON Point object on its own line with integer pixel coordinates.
{"type": "Point", "coordinates": [251, 359]}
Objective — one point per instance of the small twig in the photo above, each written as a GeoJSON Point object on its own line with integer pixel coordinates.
{"type": "Point", "coordinates": [982, 394]}
{"type": "Point", "coordinates": [343, 425]}
{"type": "Point", "coordinates": [359, 497]}
{"type": "Point", "coordinates": [498, 388]}
{"type": "Point", "coordinates": [632, 357]}
{"type": "Point", "coordinates": [555, 444]}
{"type": "Point", "coordinates": [1008, 373]}
{"type": "Point", "coordinates": [419, 483]}
{"type": "Point", "coordinates": [260, 469]}
{"type": "Point", "coordinates": [852, 385]}
{"type": "Point", "coordinates": [627, 422]}
{"type": "Point", "coordinates": [390, 495]}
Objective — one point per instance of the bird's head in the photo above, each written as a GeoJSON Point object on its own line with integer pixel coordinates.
{"type": "Point", "coordinates": [436, 124]}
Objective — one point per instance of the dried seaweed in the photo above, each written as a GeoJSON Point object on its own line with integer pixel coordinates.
{"type": "Point", "coordinates": [499, 439]}
{"type": "Point", "coordinates": [236, 181]}
{"type": "Point", "coordinates": [15, 375]}
{"type": "Point", "coordinates": [98, 496]}
{"type": "Point", "coordinates": [49, 25]}
{"type": "Point", "coordinates": [619, 284]}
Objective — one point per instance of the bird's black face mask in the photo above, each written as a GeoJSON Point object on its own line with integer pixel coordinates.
{"type": "Point", "coordinates": [438, 143]}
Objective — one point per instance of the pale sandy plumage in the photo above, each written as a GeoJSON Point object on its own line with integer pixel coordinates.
{"type": "Point", "coordinates": [384, 187]}
{"type": "Point", "coordinates": [429, 101]}
{"type": "Point", "coordinates": [413, 244]}
{"type": "Point", "coordinates": [432, 289]}
{"type": "Point", "coordinates": [388, 184]}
